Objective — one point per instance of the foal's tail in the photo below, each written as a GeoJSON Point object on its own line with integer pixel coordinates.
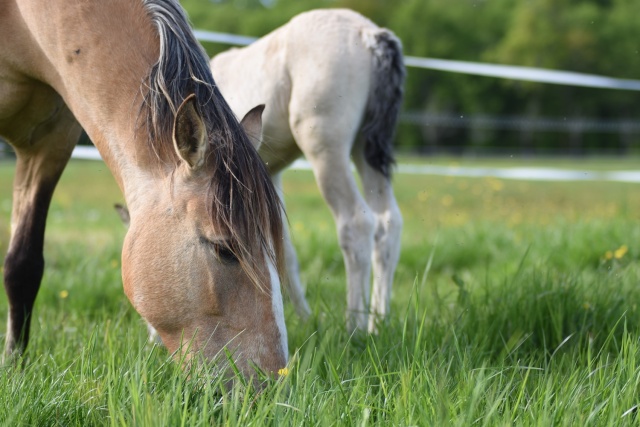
{"type": "Point", "coordinates": [385, 99]}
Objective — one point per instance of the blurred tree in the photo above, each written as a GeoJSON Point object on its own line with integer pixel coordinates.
{"type": "Point", "coordinates": [590, 36]}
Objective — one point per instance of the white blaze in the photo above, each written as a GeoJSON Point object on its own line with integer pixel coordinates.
{"type": "Point", "coordinates": [276, 305]}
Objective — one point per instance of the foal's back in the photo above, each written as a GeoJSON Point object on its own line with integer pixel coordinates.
{"type": "Point", "coordinates": [316, 66]}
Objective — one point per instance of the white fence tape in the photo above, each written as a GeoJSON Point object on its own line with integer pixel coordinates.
{"type": "Point", "coordinates": [525, 174]}
{"type": "Point", "coordinates": [86, 152]}
{"type": "Point", "coordinates": [226, 38]}
{"type": "Point", "coordinates": [522, 173]}
{"type": "Point", "coordinates": [512, 72]}
{"type": "Point", "coordinates": [529, 74]}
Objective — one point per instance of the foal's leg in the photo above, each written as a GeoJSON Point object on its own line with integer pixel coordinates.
{"type": "Point", "coordinates": [386, 251]}
{"type": "Point", "coordinates": [294, 287]}
{"type": "Point", "coordinates": [324, 146]}
{"type": "Point", "coordinates": [355, 224]}
{"type": "Point", "coordinates": [38, 168]}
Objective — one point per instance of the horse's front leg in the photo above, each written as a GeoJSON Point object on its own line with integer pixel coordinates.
{"type": "Point", "coordinates": [38, 167]}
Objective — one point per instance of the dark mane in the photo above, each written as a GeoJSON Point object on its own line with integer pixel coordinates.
{"type": "Point", "coordinates": [242, 200]}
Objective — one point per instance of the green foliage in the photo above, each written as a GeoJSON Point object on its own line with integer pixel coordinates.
{"type": "Point", "coordinates": [515, 303]}
{"type": "Point", "coordinates": [4, 238]}
{"type": "Point", "coordinates": [593, 36]}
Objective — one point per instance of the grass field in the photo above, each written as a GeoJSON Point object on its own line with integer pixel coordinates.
{"type": "Point", "coordinates": [515, 303]}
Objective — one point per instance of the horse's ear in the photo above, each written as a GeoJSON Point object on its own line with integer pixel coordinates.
{"type": "Point", "coordinates": [252, 124]}
{"type": "Point", "coordinates": [124, 213]}
{"type": "Point", "coordinates": [190, 133]}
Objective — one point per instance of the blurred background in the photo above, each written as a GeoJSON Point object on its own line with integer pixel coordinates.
{"type": "Point", "coordinates": [448, 113]}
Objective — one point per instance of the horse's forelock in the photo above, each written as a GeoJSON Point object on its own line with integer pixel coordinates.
{"type": "Point", "coordinates": [245, 206]}
{"type": "Point", "coordinates": [242, 199]}
{"type": "Point", "coordinates": [182, 68]}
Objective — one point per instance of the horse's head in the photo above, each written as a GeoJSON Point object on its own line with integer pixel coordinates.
{"type": "Point", "coordinates": [199, 259]}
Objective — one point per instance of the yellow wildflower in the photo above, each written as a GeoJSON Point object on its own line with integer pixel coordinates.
{"type": "Point", "coordinates": [283, 372]}
{"type": "Point", "coordinates": [64, 294]}
{"type": "Point", "coordinates": [608, 255]}
{"type": "Point", "coordinates": [447, 200]}
{"type": "Point", "coordinates": [620, 252]}
{"type": "Point", "coordinates": [516, 218]}
{"type": "Point", "coordinates": [496, 184]}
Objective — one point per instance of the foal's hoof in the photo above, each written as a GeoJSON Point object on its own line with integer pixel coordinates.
{"type": "Point", "coordinates": [357, 322]}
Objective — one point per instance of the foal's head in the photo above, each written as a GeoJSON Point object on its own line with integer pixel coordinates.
{"type": "Point", "coordinates": [200, 256]}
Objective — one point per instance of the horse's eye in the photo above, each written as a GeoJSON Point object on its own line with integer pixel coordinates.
{"type": "Point", "coordinates": [222, 251]}
{"type": "Point", "coordinates": [225, 254]}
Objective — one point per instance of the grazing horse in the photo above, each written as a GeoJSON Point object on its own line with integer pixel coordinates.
{"type": "Point", "coordinates": [201, 258]}
{"type": "Point", "coordinates": [332, 82]}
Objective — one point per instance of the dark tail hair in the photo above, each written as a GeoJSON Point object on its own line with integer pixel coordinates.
{"type": "Point", "coordinates": [384, 103]}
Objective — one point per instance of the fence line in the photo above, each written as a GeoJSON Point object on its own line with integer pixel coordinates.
{"type": "Point", "coordinates": [545, 124]}
{"type": "Point", "coordinates": [513, 72]}
{"type": "Point", "coordinates": [515, 173]}
{"type": "Point", "coordinates": [530, 74]}
{"type": "Point", "coordinates": [226, 38]}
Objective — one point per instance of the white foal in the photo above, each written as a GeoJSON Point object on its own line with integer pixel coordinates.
{"type": "Point", "coordinates": [332, 83]}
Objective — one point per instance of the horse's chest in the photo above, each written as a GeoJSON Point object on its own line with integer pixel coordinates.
{"type": "Point", "coordinates": [24, 105]}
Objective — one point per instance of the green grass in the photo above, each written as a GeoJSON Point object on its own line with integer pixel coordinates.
{"type": "Point", "coordinates": [515, 303]}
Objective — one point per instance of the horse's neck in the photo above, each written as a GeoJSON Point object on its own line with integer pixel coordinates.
{"type": "Point", "coordinates": [97, 64]}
